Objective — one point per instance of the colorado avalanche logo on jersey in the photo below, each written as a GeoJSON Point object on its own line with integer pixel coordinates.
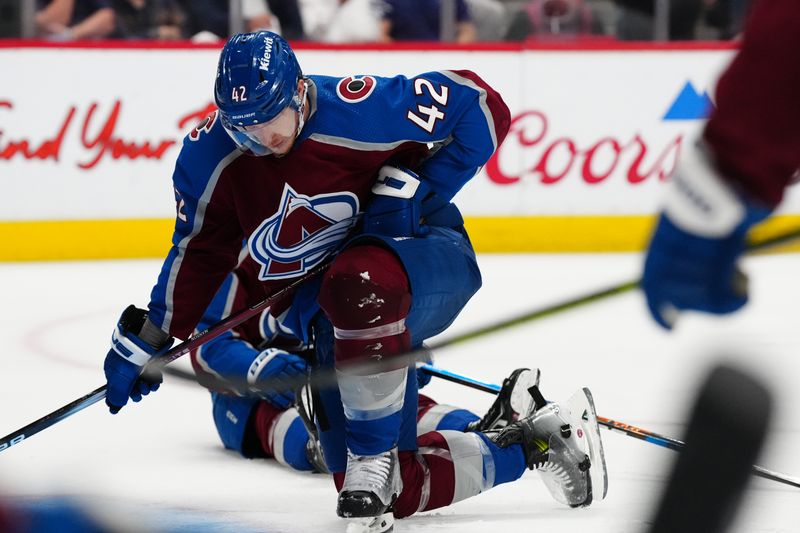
{"type": "Point", "coordinates": [302, 233]}
{"type": "Point", "coordinates": [353, 90]}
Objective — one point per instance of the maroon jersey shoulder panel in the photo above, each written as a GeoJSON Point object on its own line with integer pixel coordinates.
{"type": "Point", "coordinates": [755, 130]}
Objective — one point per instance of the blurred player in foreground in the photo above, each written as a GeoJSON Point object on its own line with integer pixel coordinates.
{"type": "Point", "coordinates": [312, 168]}
{"type": "Point", "coordinates": [734, 177]}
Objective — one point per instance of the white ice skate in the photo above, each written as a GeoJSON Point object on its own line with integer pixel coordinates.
{"type": "Point", "coordinates": [514, 401]}
{"type": "Point", "coordinates": [573, 437]}
{"type": "Point", "coordinates": [372, 484]}
{"type": "Point", "coordinates": [562, 442]}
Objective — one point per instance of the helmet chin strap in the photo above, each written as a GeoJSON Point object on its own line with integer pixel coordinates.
{"type": "Point", "coordinates": [301, 120]}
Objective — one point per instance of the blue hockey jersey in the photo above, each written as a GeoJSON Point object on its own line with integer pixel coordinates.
{"type": "Point", "coordinates": [293, 211]}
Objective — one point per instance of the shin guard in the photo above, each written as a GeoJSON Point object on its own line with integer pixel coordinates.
{"type": "Point", "coordinates": [366, 296]}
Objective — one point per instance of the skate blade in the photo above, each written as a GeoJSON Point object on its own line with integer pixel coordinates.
{"type": "Point", "coordinates": [371, 524]}
{"type": "Point", "coordinates": [581, 404]}
{"type": "Point", "coordinates": [521, 400]}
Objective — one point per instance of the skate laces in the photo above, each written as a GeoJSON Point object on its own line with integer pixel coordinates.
{"type": "Point", "coordinates": [369, 470]}
{"type": "Point", "coordinates": [513, 402]}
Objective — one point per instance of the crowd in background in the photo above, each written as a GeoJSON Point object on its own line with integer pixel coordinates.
{"type": "Point", "coordinates": [382, 21]}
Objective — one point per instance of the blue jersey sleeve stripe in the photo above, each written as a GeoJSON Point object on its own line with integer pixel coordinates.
{"type": "Point", "coordinates": [183, 244]}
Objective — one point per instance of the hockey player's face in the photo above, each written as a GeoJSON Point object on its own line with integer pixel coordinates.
{"type": "Point", "coordinates": [278, 134]}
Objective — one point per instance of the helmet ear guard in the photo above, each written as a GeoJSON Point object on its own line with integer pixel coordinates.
{"type": "Point", "coordinates": [257, 78]}
{"type": "Point", "coordinates": [301, 102]}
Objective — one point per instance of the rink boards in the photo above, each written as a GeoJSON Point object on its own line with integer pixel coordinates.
{"type": "Point", "coordinates": [89, 135]}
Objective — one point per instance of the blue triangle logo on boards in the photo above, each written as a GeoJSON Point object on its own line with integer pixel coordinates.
{"type": "Point", "coordinates": [690, 105]}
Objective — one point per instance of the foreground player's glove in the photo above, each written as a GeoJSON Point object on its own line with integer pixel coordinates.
{"type": "Point", "coordinates": [274, 374]}
{"type": "Point", "coordinates": [396, 207]}
{"type": "Point", "coordinates": [691, 260]}
{"type": "Point", "coordinates": [126, 360]}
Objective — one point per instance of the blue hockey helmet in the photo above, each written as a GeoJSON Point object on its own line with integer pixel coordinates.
{"type": "Point", "coordinates": [257, 78]}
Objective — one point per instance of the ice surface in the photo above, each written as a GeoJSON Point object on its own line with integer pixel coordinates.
{"type": "Point", "coordinates": [159, 463]}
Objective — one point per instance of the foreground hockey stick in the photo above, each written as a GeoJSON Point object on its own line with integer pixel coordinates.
{"type": "Point", "coordinates": [192, 343]}
{"type": "Point", "coordinates": [627, 429]}
{"type": "Point", "coordinates": [329, 378]}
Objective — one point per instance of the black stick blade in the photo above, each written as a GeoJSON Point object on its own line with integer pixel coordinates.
{"type": "Point", "coordinates": [726, 432]}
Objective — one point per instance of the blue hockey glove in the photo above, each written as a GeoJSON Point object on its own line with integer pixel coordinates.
{"type": "Point", "coordinates": [396, 206]}
{"type": "Point", "coordinates": [126, 360]}
{"type": "Point", "coordinates": [274, 374]}
{"type": "Point", "coordinates": [691, 260]}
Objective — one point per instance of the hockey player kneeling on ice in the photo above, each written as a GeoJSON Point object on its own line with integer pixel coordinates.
{"type": "Point", "coordinates": [270, 421]}
{"type": "Point", "coordinates": [564, 449]}
{"type": "Point", "coordinates": [253, 372]}
{"type": "Point", "coordinates": [357, 173]}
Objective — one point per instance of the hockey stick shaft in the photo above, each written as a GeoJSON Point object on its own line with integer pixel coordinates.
{"type": "Point", "coordinates": [615, 425]}
{"type": "Point", "coordinates": [52, 418]}
{"type": "Point", "coordinates": [211, 333]}
{"type": "Point", "coordinates": [192, 343]}
{"type": "Point", "coordinates": [327, 377]}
